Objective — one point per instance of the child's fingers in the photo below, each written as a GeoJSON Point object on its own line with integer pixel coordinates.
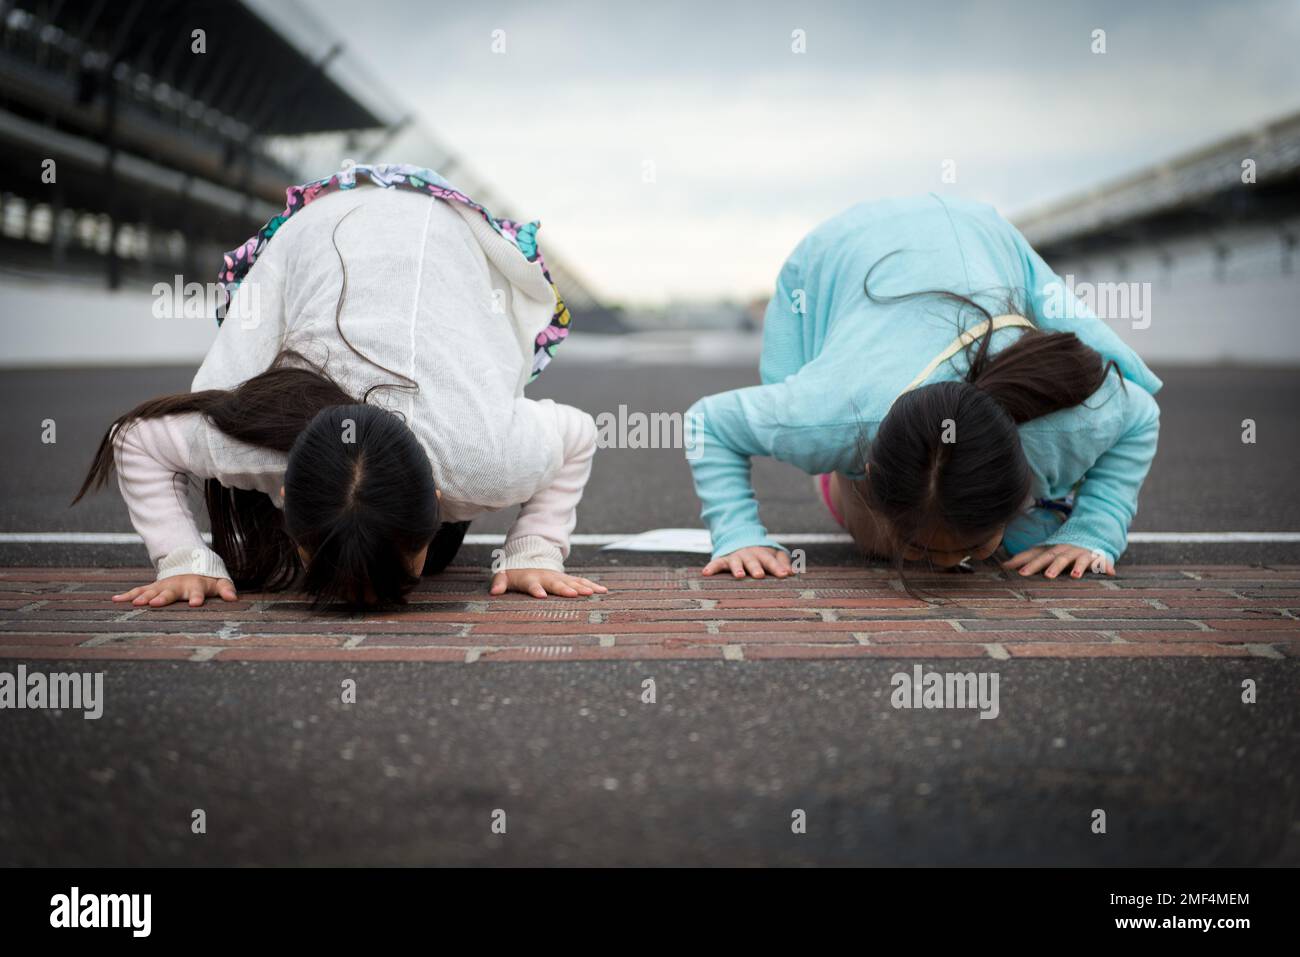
{"type": "Point", "coordinates": [1058, 565]}
{"type": "Point", "coordinates": [499, 583]}
{"type": "Point", "coordinates": [737, 566]}
{"type": "Point", "coordinates": [752, 559]}
{"type": "Point", "coordinates": [226, 589]}
{"type": "Point", "coordinates": [165, 596]}
{"type": "Point", "coordinates": [146, 595]}
{"type": "Point", "coordinates": [601, 589]}
{"type": "Point", "coordinates": [728, 563]}
{"type": "Point", "coordinates": [128, 595]}
{"type": "Point", "coordinates": [562, 585]}
{"type": "Point", "coordinates": [777, 563]}
{"type": "Point", "coordinates": [536, 589]}
{"type": "Point", "coordinates": [1037, 563]}
{"type": "Point", "coordinates": [581, 586]}
{"type": "Point", "coordinates": [1081, 565]}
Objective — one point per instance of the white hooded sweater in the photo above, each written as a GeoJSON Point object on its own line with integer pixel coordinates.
{"type": "Point", "coordinates": [433, 292]}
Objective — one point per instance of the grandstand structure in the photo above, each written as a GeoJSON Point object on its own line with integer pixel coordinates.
{"type": "Point", "coordinates": [132, 152]}
{"type": "Point", "coordinates": [1212, 233]}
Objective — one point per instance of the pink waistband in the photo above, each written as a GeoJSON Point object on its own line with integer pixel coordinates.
{"type": "Point", "coordinates": [824, 481]}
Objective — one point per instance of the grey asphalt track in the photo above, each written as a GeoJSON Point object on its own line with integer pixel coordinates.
{"type": "Point", "coordinates": [587, 774]}
{"type": "Point", "coordinates": [711, 774]}
{"type": "Point", "coordinates": [1204, 477]}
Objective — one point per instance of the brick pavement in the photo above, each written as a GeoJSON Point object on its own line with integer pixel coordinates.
{"type": "Point", "coordinates": [673, 613]}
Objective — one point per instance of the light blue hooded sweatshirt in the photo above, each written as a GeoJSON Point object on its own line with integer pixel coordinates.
{"type": "Point", "coordinates": [833, 363]}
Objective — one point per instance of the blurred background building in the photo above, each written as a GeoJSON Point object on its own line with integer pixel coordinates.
{"type": "Point", "coordinates": [130, 156]}
{"type": "Point", "coordinates": [1213, 232]}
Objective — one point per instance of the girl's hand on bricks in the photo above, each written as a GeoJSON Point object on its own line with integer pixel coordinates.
{"type": "Point", "coordinates": [1051, 560]}
{"type": "Point", "coordinates": [756, 561]}
{"type": "Point", "coordinates": [191, 588]}
{"type": "Point", "coordinates": [539, 582]}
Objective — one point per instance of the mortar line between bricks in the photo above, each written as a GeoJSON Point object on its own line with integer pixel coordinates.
{"type": "Point", "coordinates": [1264, 651]}
{"type": "Point", "coordinates": [96, 641]}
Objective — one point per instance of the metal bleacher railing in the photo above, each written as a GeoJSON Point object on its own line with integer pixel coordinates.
{"type": "Point", "coordinates": [1185, 183]}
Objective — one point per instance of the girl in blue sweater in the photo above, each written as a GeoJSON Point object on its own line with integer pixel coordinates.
{"type": "Point", "coordinates": [927, 365]}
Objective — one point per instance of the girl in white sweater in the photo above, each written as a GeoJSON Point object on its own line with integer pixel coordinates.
{"type": "Point", "coordinates": [362, 402]}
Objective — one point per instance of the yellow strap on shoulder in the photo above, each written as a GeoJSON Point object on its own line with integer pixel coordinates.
{"type": "Point", "coordinates": [962, 341]}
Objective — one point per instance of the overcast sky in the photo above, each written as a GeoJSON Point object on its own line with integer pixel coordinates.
{"type": "Point", "coordinates": [753, 144]}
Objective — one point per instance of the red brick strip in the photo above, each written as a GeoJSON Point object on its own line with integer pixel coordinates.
{"type": "Point", "coordinates": [666, 613]}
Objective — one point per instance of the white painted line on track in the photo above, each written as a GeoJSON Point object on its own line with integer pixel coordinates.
{"type": "Point", "coordinates": [71, 538]}
{"type": "Point", "coordinates": [793, 538]}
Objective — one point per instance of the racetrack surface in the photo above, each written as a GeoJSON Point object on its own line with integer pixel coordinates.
{"type": "Point", "coordinates": [771, 700]}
